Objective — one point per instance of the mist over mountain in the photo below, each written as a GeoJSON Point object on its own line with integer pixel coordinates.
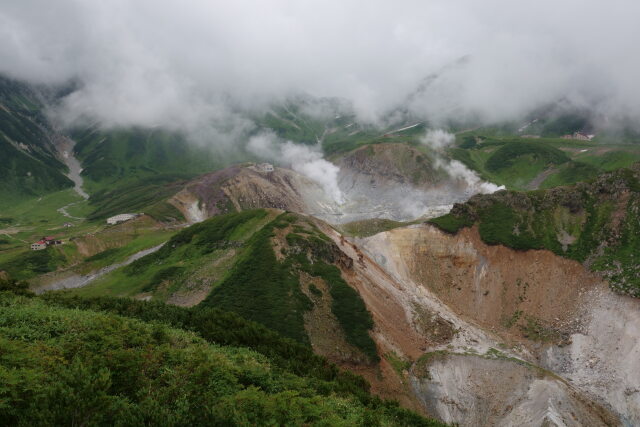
{"type": "Point", "coordinates": [386, 213]}
{"type": "Point", "coordinates": [193, 65]}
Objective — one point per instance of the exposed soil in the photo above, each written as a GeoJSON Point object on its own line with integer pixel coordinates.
{"type": "Point", "coordinates": [470, 390]}
{"type": "Point", "coordinates": [409, 321]}
{"type": "Point", "coordinates": [603, 357]}
{"type": "Point", "coordinates": [548, 309]}
{"type": "Point", "coordinates": [239, 188]}
{"type": "Point", "coordinates": [539, 179]}
{"type": "Point", "coordinates": [505, 291]}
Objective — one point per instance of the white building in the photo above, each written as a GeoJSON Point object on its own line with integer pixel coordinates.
{"type": "Point", "coordinates": [265, 167]}
{"type": "Point", "coordinates": [120, 218]}
{"type": "Point", "coordinates": [38, 246]}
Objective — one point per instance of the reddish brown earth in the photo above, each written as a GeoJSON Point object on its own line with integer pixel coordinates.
{"type": "Point", "coordinates": [498, 288]}
{"type": "Point", "coordinates": [538, 308]}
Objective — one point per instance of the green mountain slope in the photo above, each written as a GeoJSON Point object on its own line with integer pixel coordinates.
{"type": "Point", "coordinates": [29, 165]}
{"type": "Point", "coordinates": [596, 223]}
{"type": "Point", "coordinates": [252, 263]}
{"type": "Point", "coordinates": [526, 163]}
{"type": "Point", "coordinates": [332, 123]}
{"type": "Point", "coordinates": [82, 367]}
{"type": "Point", "coordinates": [123, 156]}
{"type": "Point", "coordinates": [134, 169]}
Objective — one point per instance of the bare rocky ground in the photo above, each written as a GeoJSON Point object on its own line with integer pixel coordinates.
{"type": "Point", "coordinates": [544, 311]}
{"type": "Point", "coordinates": [392, 181]}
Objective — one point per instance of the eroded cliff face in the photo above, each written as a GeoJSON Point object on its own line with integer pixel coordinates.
{"type": "Point", "coordinates": [542, 309]}
{"type": "Point", "coordinates": [518, 294]}
{"type": "Point", "coordinates": [603, 356]}
{"type": "Point", "coordinates": [413, 324]}
{"type": "Point", "coordinates": [491, 390]}
{"type": "Point", "coordinates": [522, 337]}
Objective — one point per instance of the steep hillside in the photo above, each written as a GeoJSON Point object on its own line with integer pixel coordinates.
{"type": "Point", "coordinates": [282, 270]}
{"type": "Point", "coordinates": [123, 156]}
{"type": "Point", "coordinates": [29, 165]}
{"type": "Point", "coordinates": [276, 269]}
{"type": "Point", "coordinates": [248, 187]}
{"type": "Point", "coordinates": [560, 321]}
{"type": "Point", "coordinates": [393, 181]}
{"type": "Point", "coordinates": [300, 277]}
{"type": "Point", "coordinates": [70, 366]}
{"type": "Point", "coordinates": [596, 223]}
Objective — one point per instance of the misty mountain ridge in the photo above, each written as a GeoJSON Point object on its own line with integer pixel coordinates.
{"type": "Point", "coordinates": [309, 221]}
{"type": "Point", "coordinates": [336, 214]}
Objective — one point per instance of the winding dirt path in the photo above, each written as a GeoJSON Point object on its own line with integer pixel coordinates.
{"type": "Point", "coordinates": [79, 280]}
{"type": "Point", "coordinates": [538, 180]}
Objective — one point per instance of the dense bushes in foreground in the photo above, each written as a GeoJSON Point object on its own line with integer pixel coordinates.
{"type": "Point", "coordinates": [109, 361]}
{"type": "Point", "coordinates": [224, 328]}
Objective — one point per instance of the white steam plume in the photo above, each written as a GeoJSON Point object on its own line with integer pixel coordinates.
{"type": "Point", "coordinates": [458, 170]}
{"type": "Point", "coordinates": [438, 140]}
{"type": "Point", "coordinates": [304, 159]}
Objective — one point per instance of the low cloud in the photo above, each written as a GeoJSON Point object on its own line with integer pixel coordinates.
{"type": "Point", "coordinates": [184, 64]}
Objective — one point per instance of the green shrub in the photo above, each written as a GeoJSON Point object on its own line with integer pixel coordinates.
{"type": "Point", "coordinates": [15, 286]}
{"type": "Point", "coordinates": [107, 253]}
{"type": "Point", "coordinates": [262, 289]}
{"type": "Point", "coordinates": [451, 223]}
{"type": "Point", "coordinates": [601, 219]}
{"type": "Point", "coordinates": [505, 156]}
{"type": "Point", "coordinates": [60, 366]}
{"type": "Point", "coordinates": [32, 263]}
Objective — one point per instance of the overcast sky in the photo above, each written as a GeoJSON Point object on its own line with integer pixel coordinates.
{"type": "Point", "coordinates": [159, 61]}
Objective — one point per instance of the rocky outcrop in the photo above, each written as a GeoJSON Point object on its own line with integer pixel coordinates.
{"type": "Point", "coordinates": [547, 311]}
{"type": "Point", "coordinates": [501, 289]}
{"type": "Point", "coordinates": [395, 181]}
{"type": "Point", "coordinates": [247, 187]}
{"type": "Point", "coordinates": [473, 390]}
{"type": "Point", "coordinates": [393, 164]}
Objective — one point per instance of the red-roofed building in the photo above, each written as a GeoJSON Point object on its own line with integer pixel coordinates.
{"type": "Point", "coordinates": [44, 242]}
